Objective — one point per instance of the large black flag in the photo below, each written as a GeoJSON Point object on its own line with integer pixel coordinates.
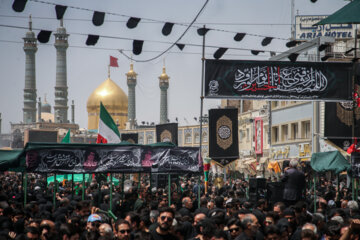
{"type": "Point", "coordinates": [223, 136]}
{"type": "Point", "coordinates": [167, 132]}
{"type": "Point", "coordinates": [338, 123]}
{"type": "Point", "coordinates": [130, 137]}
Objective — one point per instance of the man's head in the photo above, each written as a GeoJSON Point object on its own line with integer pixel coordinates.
{"type": "Point", "coordinates": [83, 208]}
{"type": "Point", "coordinates": [309, 226]}
{"type": "Point", "coordinates": [47, 229]}
{"type": "Point", "coordinates": [250, 224]}
{"type": "Point", "coordinates": [272, 233]}
{"type": "Point", "coordinates": [198, 217]}
{"type": "Point", "coordinates": [32, 233]}
{"type": "Point", "coordinates": [279, 208]}
{"type": "Point", "coordinates": [165, 219]}
{"type": "Point", "coordinates": [93, 222]}
{"type": "Point", "coordinates": [123, 229]}
{"type": "Point", "coordinates": [293, 163]}
{"type": "Point", "coordinates": [289, 214]}
{"type": "Point", "coordinates": [105, 230]}
{"type": "Point", "coordinates": [187, 203]}
{"type": "Point", "coordinates": [234, 227]}
{"type": "Point", "coordinates": [134, 220]}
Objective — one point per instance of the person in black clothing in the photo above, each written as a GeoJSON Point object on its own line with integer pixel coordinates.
{"type": "Point", "coordinates": [294, 183]}
{"type": "Point", "coordinates": [165, 220]}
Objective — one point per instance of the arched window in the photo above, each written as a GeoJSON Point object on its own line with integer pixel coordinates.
{"type": "Point", "coordinates": [188, 139]}
{"type": "Point", "coordinates": [197, 138]}
{"type": "Point", "coordinates": [205, 137]}
{"type": "Point", "coordinates": [150, 139]}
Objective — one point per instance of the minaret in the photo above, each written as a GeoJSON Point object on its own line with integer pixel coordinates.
{"type": "Point", "coordinates": [39, 110]}
{"type": "Point", "coordinates": [30, 48]}
{"type": "Point", "coordinates": [61, 89]}
{"type": "Point", "coordinates": [131, 82]}
{"type": "Point", "coordinates": [73, 112]}
{"type": "Point", "coordinates": [164, 85]}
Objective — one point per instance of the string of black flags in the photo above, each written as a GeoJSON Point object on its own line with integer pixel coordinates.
{"type": "Point", "coordinates": [98, 19]}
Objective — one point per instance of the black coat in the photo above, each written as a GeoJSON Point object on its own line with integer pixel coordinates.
{"type": "Point", "coordinates": [294, 184]}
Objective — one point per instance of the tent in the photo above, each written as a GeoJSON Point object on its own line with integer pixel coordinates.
{"type": "Point", "coordinates": [348, 14]}
{"type": "Point", "coordinates": [329, 161]}
{"type": "Point", "coordinates": [65, 158]}
{"type": "Point", "coordinates": [9, 160]}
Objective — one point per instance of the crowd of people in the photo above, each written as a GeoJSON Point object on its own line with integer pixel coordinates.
{"type": "Point", "coordinates": [145, 212]}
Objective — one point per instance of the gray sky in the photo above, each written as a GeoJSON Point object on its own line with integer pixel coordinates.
{"type": "Point", "coordinates": [87, 66]}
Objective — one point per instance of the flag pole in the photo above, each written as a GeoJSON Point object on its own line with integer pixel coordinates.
{"type": "Point", "coordinates": [202, 100]}
{"type": "Point", "coordinates": [109, 71]}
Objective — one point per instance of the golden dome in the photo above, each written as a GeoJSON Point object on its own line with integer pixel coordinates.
{"type": "Point", "coordinates": [115, 101]}
{"type": "Point", "coordinates": [131, 72]}
{"type": "Point", "coordinates": [164, 76]}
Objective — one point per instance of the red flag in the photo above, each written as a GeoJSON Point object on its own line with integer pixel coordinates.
{"type": "Point", "coordinates": [113, 62]}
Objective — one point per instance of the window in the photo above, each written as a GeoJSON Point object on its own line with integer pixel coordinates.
{"type": "Point", "coordinates": [294, 131]}
{"type": "Point", "coordinates": [197, 138]}
{"type": "Point", "coordinates": [241, 135]}
{"type": "Point", "coordinates": [141, 140]}
{"type": "Point", "coordinates": [205, 137]}
{"type": "Point", "coordinates": [247, 135]}
{"type": "Point", "coordinates": [275, 134]}
{"type": "Point", "coordinates": [188, 139]}
{"type": "Point", "coordinates": [306, 129]}
{"type": "Point", "coordinates": [284, 134]}
{"type": "Point", "coordinates": [150, 139]}
{"type": "Point", "coordinates": [275, 104]}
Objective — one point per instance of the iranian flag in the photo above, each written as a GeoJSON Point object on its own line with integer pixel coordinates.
{"type": "Point", "coordinates": [108, 131]}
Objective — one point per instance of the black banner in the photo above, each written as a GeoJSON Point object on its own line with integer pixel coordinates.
{"type": "Point", "coordinates": [355, 164]}
{"type": "Point", "coordinates": [223, 135]}
{"type": "Point", "coordinates": [103, 158]}
{"type": "Point", "coordinates": [130, 137]}
{"type": "Point", "coordinates": [167, 132]}
{"type": "Point", "coordinates": [278, 80]}
{"type": "Point", "coordinates": [338, 123]}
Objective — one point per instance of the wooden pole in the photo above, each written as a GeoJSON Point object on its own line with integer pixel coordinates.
{"type": "Point", "coordinates": [199, 192]}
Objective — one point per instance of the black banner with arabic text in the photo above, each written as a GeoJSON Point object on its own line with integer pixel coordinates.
{"type": "Point", "coordinates": [278, 80]}
{"type": "Point", "coordinates": [103, 158]}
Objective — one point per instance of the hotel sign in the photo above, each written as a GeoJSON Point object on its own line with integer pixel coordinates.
{"type": "Point", "coordinates": [305, 30]}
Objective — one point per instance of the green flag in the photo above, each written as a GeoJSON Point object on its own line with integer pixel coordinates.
{"type": "Point", "coordinates": [66, 139]}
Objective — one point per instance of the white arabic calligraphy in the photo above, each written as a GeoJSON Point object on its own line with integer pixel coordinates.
{"type": "Point", "coordinates": [276, 79]}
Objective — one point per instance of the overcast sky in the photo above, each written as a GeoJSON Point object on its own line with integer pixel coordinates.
{"type": "Point", "coordinates": [87, 65]}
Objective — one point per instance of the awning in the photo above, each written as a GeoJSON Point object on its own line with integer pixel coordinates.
{"type": "Point", "coordinates": [307, 159]}
{"type": "Point", "coordinates": [348, 14]}
{"type": "Point", "coordinates": [263, 160]}
{"type": "Point", "coordinates": [249, 161]}
{"type": "Point", "coordinates": [329, 161]}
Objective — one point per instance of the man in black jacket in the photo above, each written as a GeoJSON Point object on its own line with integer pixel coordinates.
{"type": "Point", "coordinates": [294, 183]}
